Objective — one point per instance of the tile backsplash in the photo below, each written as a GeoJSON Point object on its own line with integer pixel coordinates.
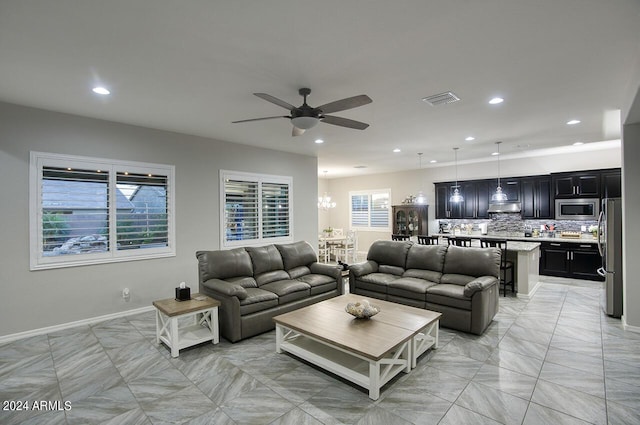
{"type": "Point", "coordinates": [513, 223]}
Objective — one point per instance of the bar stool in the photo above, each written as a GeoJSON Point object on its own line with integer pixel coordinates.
{"type": "Point", "coordinates": [505, 265]}
{"type": "Point", "coordinates": [398, 237]}
{"type": "Point", "coordinates": [428, 240]}
{"type": "Point", "coordinates": [460, 241]}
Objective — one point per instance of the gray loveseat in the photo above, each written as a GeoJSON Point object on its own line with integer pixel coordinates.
{"type": "Point", "coordinates": [461, 283]}
{"type": "Point", "coordinates": [254, 284]}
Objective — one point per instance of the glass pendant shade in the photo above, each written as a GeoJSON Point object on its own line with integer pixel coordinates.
{"type": "Point", "coordinates": [499, 196]}
{"type": "Point", "coordinates": [456, 196]}
{"type": "Point", "coordinates": [304, 123]}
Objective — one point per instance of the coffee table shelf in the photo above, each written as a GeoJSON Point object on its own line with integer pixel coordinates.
{"type": "Point", "coordinates": [365, 372]}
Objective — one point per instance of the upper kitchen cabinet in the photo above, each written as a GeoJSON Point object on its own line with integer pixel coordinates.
{"type": "Point", "coordinates": [537, 201]}
{"type": "Point", "coordinates": [611, 183]}
{"type": "Point", "coordinates": [410, 219]}
{"type": "Point", "coordinates": [444, 208]}
{"type": "Point", "coordinates": [510, 187]}
{"type": "Point", "coordinates": [476, 199]}
{"type": "Point", "coordinates": [576, 185]}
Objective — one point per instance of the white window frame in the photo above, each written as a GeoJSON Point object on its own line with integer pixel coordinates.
{"type": "Point", "coordinates": [370, 193]}
{"type": "Point", "coordinates": [258, 178]}
{"type": "Point", "coordinates": [38, 160]}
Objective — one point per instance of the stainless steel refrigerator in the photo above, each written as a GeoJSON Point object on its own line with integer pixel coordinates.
{"type": "Point", "coordinates": [610, 247]}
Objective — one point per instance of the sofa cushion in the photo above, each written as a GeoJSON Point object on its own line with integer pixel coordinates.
{"type": "Point", "coordinates": [456, 279]}
{"type": "Point", "coordinates": [257, 300]}
{"type": "Point", "coordinates": [393, 253]}
{"type": "Point", "coordinates": [288, 290]}
{"type": "Point", "coordinates": [298, 272]}
{"type": "Point", "coordinates": [224, 264]}
{"type": "Point", "coordinates": [410, 287]}
{"type": "Point", "coordinates": [319, 283]}
{"type": "Point", "coordinates": [297, 254]}
{"type": "Point", "coordinates": [273, 276]}
{"type": "Point", "coordinates": [449, 295]}
{"type": "Point", "coordinates": [265, 259]}
{"type": "Point", "coordinates": [423, 274]}
{"type": "Point", "coordinates": [376, 282]}
{"type": "Point", "coordinates": [472, 261]}
{"type": "Point", "coordinates": [426, 257]}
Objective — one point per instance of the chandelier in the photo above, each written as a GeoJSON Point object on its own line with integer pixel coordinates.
{"type": "Point", "coordinates": [324, 202]}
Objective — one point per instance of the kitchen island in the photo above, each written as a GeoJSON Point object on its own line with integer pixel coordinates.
{"type": "Point", "coordinates": [525, 256]}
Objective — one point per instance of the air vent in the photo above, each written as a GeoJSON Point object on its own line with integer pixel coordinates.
{"type": "Point", "coordinates": [441, 99]}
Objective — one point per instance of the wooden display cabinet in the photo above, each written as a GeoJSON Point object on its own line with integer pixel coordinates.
{"type": "Point", "coordinates": [410, 219]}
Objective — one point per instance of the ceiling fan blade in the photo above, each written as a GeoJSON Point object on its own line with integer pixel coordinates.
{"type": "Point", "coordinates": [344, 122]}
{"type": "Point", "coordinates": [344, 104]}
{"type": "Point", "coordinates": [275, 101]}
{"type": "Point", "coordinates": [261, 119]}
{"type": "Point", "coordinates": [297, 131]}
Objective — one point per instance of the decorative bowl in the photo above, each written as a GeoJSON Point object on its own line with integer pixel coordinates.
{"type": "Point", "coordinates": [362, 309]}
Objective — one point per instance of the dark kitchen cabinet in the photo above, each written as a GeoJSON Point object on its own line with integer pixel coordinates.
{"type": "Point", "coordinates": [611, 183]}
{"type": "Point", "coordinates": [573, 260]}
{"type": "Point", "coordinates": [476, 199]}
{"type": "Point", "coordinates": [410, 219]}
{"type": "Point", "coordinates": [444, 208]}
{"type": "Point", "coordinates": [510, 187]}
{"type": "Point", "coordinates": [576, 185]}
{"type": "Point", "coordinates": [536, 199]}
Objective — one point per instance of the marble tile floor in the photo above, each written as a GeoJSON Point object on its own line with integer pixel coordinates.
{"type": "Point", "coordinates": [554, 359]}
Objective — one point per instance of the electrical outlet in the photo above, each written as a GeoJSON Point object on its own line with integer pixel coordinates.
{"type": "Point", "coordinates": [126, 294]}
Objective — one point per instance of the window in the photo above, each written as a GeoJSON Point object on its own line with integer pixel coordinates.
{"type": "Point", "coordinates": [90, 210]}
{"type": "Point", "coordinates": [256, 209]}
{"type": "Point", "coordinates": [369, 210]}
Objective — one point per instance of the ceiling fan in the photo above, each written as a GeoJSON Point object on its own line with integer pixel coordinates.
{"type": "Point", "coordinates": [305, 117]}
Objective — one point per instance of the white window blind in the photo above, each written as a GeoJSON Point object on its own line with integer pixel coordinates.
{"type": "Point", "coordinates": [89, 210]}
{"type": "Point", "coordinates": [257, 209]}
{"type": "Point", "coordinates": [369, 210]}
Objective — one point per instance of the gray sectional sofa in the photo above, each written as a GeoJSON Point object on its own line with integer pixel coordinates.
{"type": "Point", "coordinates": [254, 284]}
{"type": "Point", "coordinates": [461, 283]}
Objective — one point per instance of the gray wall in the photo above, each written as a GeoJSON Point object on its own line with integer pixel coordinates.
{"type": "Point", "coordinates": [32, 300]}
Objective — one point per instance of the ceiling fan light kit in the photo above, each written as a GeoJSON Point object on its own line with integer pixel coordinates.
{"type": "Point", "coordinates": [305, 117]}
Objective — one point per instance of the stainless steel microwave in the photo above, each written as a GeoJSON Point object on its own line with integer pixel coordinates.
{"type": "Point", "coordinates": [578, 209]}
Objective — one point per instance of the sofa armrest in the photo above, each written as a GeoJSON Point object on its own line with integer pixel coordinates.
{"type": "Point", "coordinates": [332, 270]}
{"type": "Point", "coordinates": [479, 284]}
{"type": "Point", "coordinates": [360, 269]}
{"type": "Point", "coordinates": [226, 288]}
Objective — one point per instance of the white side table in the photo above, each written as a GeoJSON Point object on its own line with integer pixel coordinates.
{"type": "Point", "coordinates": [203, 327]}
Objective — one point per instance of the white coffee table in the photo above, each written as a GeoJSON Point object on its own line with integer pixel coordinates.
{"type": "Point", "coordinates": [204, 326]}
{"type": "Point", "coordinates": [367, 352]}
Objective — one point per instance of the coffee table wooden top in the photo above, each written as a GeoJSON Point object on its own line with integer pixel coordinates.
{"type": "Point", "coordinates": [172, 307]}
{"type": "Point", "coordinates": [371, 338]}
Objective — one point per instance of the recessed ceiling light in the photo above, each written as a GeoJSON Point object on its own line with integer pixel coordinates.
{"type": "Point", "coordinates": [573, 122]}
{"type": "Point", "coordinates": [470, 138]}
{"type": "Point", "coordinates": [495, 153]}
{"type": "Point", "coordinates": [319, 141]}
{"type": "Point", "coordinates": [396, 150]}
{"type": "Point", "coordinates": [433, 161]}
{"type": "Point", "coordinates": [578, 143]}
{"type": "Point", "coordinates": [101, 90]}
{"type": "Point", "coordinates": [496, 100]}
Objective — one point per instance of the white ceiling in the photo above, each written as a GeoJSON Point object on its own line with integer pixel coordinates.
{"type": "Point", "coordinates": [191, 66]}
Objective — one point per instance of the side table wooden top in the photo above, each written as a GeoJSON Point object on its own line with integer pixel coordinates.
{"type": "Point", "coordinates": [172, 307]}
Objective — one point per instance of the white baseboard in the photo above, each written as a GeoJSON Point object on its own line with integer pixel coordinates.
{"type": "Point", "coordinates": [89, 321]}
{"type": "Point", "coordinates": [531, 292]}
{"type": "Point", "coordinates": [627, 327]}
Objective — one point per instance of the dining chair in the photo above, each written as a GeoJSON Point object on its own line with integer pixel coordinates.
{"type": "Point", "coordinates": [505, 266]}
{"type": "Point", "coordinates": [348, 247]}
{"type": "Point", "coordinates": [428, 240]}
{"type": "Point", "coordinates": [398, 237]}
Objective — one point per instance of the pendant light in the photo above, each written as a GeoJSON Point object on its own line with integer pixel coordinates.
{"type": "Point", "coordinates": [498, 196]}
{"type": "Point", "coordinates": [456, 196]}
{"type": "Point", "coordinates": [420, 198]}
